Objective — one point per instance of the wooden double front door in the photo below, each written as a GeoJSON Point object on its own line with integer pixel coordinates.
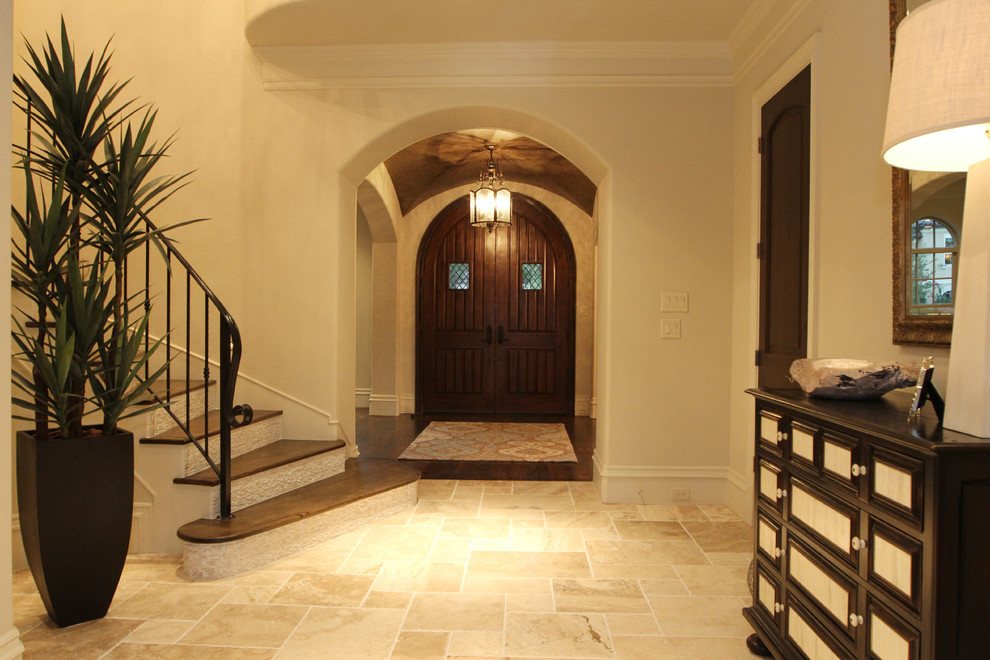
{"type": "Point", "coordinates": [495, 326]}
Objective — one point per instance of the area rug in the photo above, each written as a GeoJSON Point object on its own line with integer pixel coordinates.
{"type": "Point", "coordinates": [491, 441]}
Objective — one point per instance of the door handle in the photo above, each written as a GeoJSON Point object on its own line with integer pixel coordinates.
{"type": "Point", "coordinates": [488, 335]}
{"type": "Point", "coordinates": [501, 335]}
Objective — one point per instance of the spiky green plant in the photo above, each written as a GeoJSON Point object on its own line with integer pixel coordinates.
{"type": "Point", "coordinates": [89, 189]}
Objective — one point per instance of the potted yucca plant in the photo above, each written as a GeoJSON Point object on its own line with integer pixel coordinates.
{"type": "Point", "coordinates": [80, 364]}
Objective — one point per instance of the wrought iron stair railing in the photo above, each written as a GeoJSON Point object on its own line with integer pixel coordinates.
{"type": "Point", "coordinates": [204, 324]}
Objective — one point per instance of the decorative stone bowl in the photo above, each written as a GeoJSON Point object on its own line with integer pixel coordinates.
{"type": "Point", "coordinates": [837, 378]}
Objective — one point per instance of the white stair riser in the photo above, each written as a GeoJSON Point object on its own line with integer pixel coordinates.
{"type": "Point", "coordinates": [161, 421]}
{"type": "Point", "coordinates": [242, 440]}
{"type": "Point", "coordinates": [211, 561]}
{"type": "Point", "coordinates": [266, 485]}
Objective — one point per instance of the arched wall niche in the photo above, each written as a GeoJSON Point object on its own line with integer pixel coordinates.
{"type": "Point", "coordinates": [366, 163]}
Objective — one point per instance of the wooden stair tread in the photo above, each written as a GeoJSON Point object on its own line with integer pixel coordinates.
{"type": "Point", "coordinates": [361, 478]}
{"type": "Point", "coordinates": [176, 436]}
{"type": "Point", "coordinates": [178, 388]}
{"type": "Point", "coordinates": [276, 454]}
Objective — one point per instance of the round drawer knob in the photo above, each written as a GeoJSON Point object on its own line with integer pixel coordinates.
{"type": "Point", "coordinates": [781, 493]}
{"type": "Point", "coordinates": [777, 552]}
{"type": "Point", "coordinates": [858, 543]}
{"type": "Point", "coordinates": [858, 470]}
{"type": "Point", "coordinates": [855, 620]}
{"type": "Point", "coordinates": [777, 607]}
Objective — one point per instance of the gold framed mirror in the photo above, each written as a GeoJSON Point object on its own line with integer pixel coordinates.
{"type": "Point", "coordinates": [927, 229]}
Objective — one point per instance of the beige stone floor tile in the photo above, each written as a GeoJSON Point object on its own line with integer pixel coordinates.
{"type": "Point", "coordinates": [590, 595]}
{"type": "Point", "coordinates": [29, 611]}
{"type": "Point", "coordinates": [499, 585]}
{"type": "Point", "coordinates": [133, 651]}
{"type": "Point", "coordinates": [577, 520]}
{"type": "Point", "coordinates": [454, 550]}
{"type": "Point", "coordinates": [651, 530]}
{"type": "Point", "coordinates": [469, 495]}
{"type": "Point", "coordinates": [729, 558]}
{"type": "Point", "coordinates": [420, 646]}
{"type": "Point", "coordinates": [645, 552]}
{"type": "Point", "coordinates": [395, 520]}
{"type": "Point", "coordinates": [541, 488]}
{"type": "Point", "coordinates": [387, 600]}
{"type": "Point", "coordinates": [601, 534]}
{"type": "Point", "coordinates": [326, 559]}
{"type": "Point", "coordinates": [627, 510]}
{"type": "Point", "coordinates": [663, 587]}
{"type": "Point", "coordinates": [676, 512]}
{"type": "Point", "coordinates": [721, 537]}
{"type": "Point", "coordinates": [265, 626]}
{"type": "Point", "coordinates": [324, 589]}
{"type": "Point", "coordinates": [681, 648]}
{"type": "Point", "coordinates": [22, 582]}
{"type": "Point", "coordinates": [700, 616]}
{"type": "Point", "coordinates": [534, 522]}
{"type": "Point", "coordinates": [153, 568]}
{"type": "Point", "coordinates": [720, 513]}
{"type": "Point", "coordinates": [475, 644]}
{"type": "Point", "coordinates": [425, 521]}
{"type": "Point", "coordinates": [395, 543]}
{"type": "Point", "coordinates": [527, 502]}
{"type": "Point", "coordinates": [79, 642]}
{"type": "Point", "coordinates": [451, 508]}
{"type": "Point", "coordinates": [530, 564]}
{"type": "Point", "coordinates": [638, 571]}
{"type": "Point", "coordinates": [474, 528]}
{"type": "Point", "coordinates": [529, 603]}
{"type": "Point", "coordinates": [546, 540]}
{"type": "Point", "coordinates": [158, 631]}
{"type": "Point", "coordinates": [624, 515]}
{"type": "Point", "coordinates": [715, 580]}
{"type": "Point", "coordinates": [535, 635]}
{"type": "Point", "coordinates": [181, 602]}
{"type": "Point", "coordinates": [351, 634]}
{"type": "Point", "coordinates": [430, 576]}
{"type": "Point", "coordinates": [248, 594]}
{"type": "Point", "coordinates": [631, 624]}
{"type": "Point", "coordinates": [511, 514]}
{"type": "Point", "coordinates": [490, 545]}
{"type": "Point", "coordinates": [361, 566]}
{"type": "Point", "coordinates": [448, 612]}
{"type": "Point", "coordinates": [436, 489]}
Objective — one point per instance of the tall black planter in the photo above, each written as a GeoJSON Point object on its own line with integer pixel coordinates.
{"type": "Point", "coordinates": [75, 498]}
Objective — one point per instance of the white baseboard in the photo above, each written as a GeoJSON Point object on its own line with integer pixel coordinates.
{"type": "Point", "coordinates": [10, 645]}
{"type": "Point", "coordinates": [361, 397]}
{"type": "Point", "coordinates": [384, 405]}
{"type": "Point", "coordinates": [645, 484]}
{"type": "Point", "coordinates": [582, 406]}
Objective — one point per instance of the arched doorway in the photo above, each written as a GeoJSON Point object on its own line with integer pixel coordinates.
{"type": "Point", "coordinates": [495, 314]}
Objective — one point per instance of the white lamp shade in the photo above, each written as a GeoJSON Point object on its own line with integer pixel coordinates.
{"type": "Point", "coordinates": [940, 88]}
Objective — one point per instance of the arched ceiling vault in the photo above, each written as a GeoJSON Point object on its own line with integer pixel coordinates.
{"type": "Point", "coordinates": [450, 160]}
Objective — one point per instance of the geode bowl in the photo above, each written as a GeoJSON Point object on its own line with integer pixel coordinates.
{"type": "Point", "coordinates": [841, 378]}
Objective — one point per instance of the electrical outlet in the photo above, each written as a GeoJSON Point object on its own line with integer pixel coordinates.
{"type": "Point", "coordinates": [680, 494]}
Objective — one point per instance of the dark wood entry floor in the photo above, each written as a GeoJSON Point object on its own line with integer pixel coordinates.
{"type": "Point", "coordinates": [387, 437]}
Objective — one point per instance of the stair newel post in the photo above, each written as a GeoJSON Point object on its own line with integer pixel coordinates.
{"type": "Point", "coordinates": [226, 406]}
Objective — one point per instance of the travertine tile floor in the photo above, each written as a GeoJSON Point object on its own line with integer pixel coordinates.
{"type": "Point", "coordinates": [479, 569]}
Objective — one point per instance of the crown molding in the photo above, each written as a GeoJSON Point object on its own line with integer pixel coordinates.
{"type": "Point", "coordinates": [771, 35]}
{"type": "Point", "coordinates": [507, 64]}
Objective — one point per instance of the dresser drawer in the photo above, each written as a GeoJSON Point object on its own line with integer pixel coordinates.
{"type": "Point", "coordinates": [807, 636]}
{"type": "Point", "coordinates": [828, 519]}
{"type": "Point", "coordinates": [771, 484]}
{"type": "Point", "coordinates": [895, 562]}
{"type": "Point", "coordinates": [841, 463]}
{"type": "Point", "coordinates": [767, 596]}
{"type": "Point", "coordinates": [769, 540]}
{"type": "Point", "coordinates": [888, 637]}
{"type": "Point", "coordinates": [897, 484]}
{"type": "Point", "coordinates": [835, 594]}
{"type": "Point", "coordinates": [771, 431]}
{"type": "Point", "coordinates": [803, 437]}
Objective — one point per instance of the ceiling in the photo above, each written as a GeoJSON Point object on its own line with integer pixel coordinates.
{"type": "Point", "coordinates": [451, 160]}
{"type": "Point", "coordinates": [369, 22]}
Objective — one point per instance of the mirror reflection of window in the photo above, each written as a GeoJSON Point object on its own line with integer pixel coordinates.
{"type": "Point", "coordinates": [933, 266]}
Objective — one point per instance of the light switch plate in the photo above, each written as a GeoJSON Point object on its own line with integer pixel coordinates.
{"type": "Point", "coordinates": [675, 301]}
{"type": "Point", "coordinates": [670, 328]}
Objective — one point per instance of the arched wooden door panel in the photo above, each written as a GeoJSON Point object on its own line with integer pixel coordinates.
{"type": "Point", "coordinates": [496, 314]}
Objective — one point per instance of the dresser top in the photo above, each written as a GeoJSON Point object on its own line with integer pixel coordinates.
{"type": "Point", "coordinates": [886, 416]}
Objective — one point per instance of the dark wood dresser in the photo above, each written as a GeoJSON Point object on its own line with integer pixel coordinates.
{"type": "Point", "coordinates": [872, 534]}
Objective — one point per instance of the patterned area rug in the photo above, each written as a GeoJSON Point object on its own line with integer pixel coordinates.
{"type": "Point", "coordinates": [491, 441]}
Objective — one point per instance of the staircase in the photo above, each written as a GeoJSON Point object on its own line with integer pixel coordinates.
{"type": "Point", "coordinates": [266, 496]}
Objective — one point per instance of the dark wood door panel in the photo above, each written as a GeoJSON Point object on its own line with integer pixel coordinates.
{"type": "Point", "coordinates": [496, 314]}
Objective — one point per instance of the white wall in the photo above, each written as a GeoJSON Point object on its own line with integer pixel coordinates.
{"type": "Point", "coordinates": [364, 299]}
{"type": "Point", "coordinates": [850, 288]}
